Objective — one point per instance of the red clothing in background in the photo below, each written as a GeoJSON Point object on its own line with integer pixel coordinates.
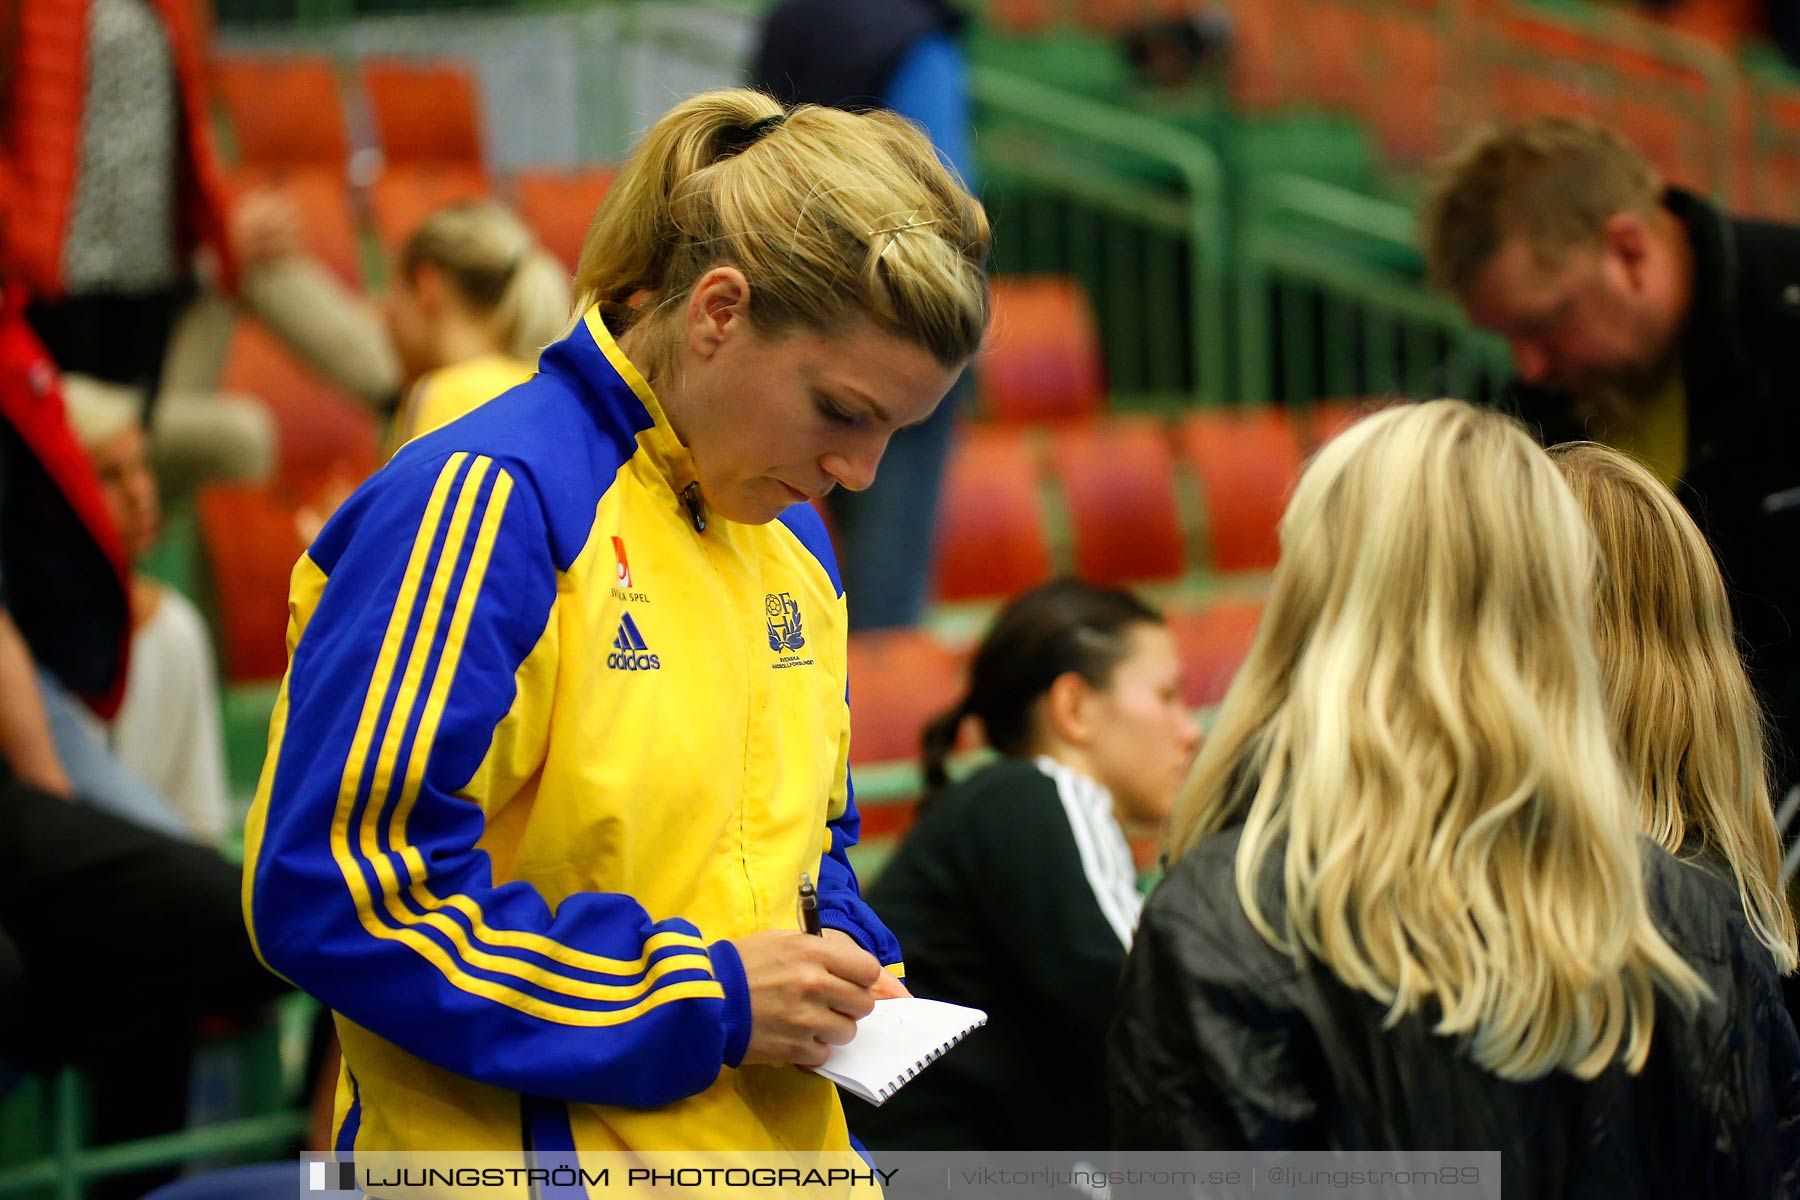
{"type": "Point", "coordinates": [43, 81]}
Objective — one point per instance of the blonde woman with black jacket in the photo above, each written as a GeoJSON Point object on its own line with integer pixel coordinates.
{"type": "Point", "coordinates": [1408, 906]}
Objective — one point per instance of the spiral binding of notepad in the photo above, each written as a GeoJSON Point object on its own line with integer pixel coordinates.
{"type": "Point", "coordinates": [887, 1091]}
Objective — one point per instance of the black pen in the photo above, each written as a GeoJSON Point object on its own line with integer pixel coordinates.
{"type": "Point", "coordinates": [809, 907]}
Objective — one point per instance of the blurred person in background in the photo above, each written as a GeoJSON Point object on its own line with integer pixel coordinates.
{"type": "Point", "coordinates": [1641, 316]}
{"type": "Point", "coordinates": [116, 226]}
{"type": "Point", "coordinates": [1171, 50]}
{"type": "Point", "coordinates": [110, 184]}
{"type": "Point", "coordinates": [1407, 904]}
{"type": "Point", "coordinates": [574, 664]}
{"type": "Point", "coordinates": [166, 731]}
{"type": "Point", "coordinates": [904, 56]}
{"type": "Point", "coordinates": [1016, 892]}
{"type": "Point", "coordinates": [114, 939]}
{"type": "Point", "coordinates": [472, 301]}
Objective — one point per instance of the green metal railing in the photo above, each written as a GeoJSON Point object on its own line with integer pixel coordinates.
{"type": "Point", "coordinates": [43, 1144]}
{"type": "Point", "coordinates": [1331, 303]}
{"type": "Point", "coordinates": [1130, 206]}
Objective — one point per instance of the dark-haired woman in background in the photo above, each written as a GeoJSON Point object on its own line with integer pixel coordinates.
{"type": "Point", "coordinates": [1016, 892]}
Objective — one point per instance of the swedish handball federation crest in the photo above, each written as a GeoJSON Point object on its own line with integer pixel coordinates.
{"type": "Point", "coordinates": [782, 613]}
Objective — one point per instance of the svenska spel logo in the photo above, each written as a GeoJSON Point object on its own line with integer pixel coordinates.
{"type": "Point", "coordinates": [621, 564]}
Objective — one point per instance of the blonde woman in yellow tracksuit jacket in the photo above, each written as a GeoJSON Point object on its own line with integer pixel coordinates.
{"type": "Point", "coordinates": [565, 715]}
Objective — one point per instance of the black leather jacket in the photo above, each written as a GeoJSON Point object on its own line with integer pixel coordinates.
{"type": "Point", "coordinates": [1223, 1042]}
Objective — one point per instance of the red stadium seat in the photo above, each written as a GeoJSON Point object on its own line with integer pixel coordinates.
{"type": "Point", "coordinates": [1021, 16]}
{"type": "Point", "coordinates": [1329, 49]}
{"type": "Point", "coordinates": [425, 112]}
{"type": "Point", "coordinates": [1247, 462]}
{"type": "Point", "coordinates": [1110, 16]}
{"type": "Point", "coordinates": [1042, 357]}
{"type": "Point", "coordinates": [1669, 93]}
{"type": "Point", "coordinates": [403, 197]}
{"type": "Point", "coordinates": [1213, 642]}
{"type": "Point", "coordinates": [899, 680]}
{"type": "Point", "coordinates": [320, 430]}
{"type": "Point", "coordinates": [250, 542]}
{"type": "Point", "coordinates": [1258, 59]}
{"type": "Point", "coordinates": [1118, 478]}
{"type": "Point", "coordinates": [991, 533]}
{"type": "Point", "coordinates": [1724, 23]}
{"type": "Point", "coordinates": [1774, 137]}
{"type": "Point", "coordinates": [327, 219]}
{"type": "Point", "coordinates": [285, 111]}
{"type": "Point", "coordinates": [559, 206]}
{"type": "Point", "coordinates": [1328, 418]}
{"type": "Point", "coordinates": [1408, 107]}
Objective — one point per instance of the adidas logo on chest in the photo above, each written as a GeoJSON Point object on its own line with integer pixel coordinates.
{"type": "Point", "coordinates": [629, 653]}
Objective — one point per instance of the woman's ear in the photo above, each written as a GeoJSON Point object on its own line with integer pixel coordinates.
{"type": "Point", "coordinates": [717, 309]}
{"type": "Point", "coordinates": [1069, 708]}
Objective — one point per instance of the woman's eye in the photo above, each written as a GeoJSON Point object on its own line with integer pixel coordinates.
{"type": "Point", "coordinates": [834, 414]}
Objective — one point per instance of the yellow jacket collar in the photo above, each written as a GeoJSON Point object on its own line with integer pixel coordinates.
{"type": "Point", "coordinates": [665, 450]}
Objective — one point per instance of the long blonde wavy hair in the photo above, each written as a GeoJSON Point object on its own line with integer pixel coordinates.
{"type": "Point", "coordinates": [1419, 732]}
{"type": "Point", "coordinates": [1689, 726]}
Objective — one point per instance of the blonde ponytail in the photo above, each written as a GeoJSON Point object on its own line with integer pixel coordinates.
{"type": "Point", "coordinates": [534, 309]}
{"type": "Point", "coordinates": [829, 214]}
{"type": "Point", "coordinates": [498, 269]}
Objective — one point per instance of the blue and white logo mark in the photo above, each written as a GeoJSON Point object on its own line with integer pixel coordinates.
{"type": "Point", "coordinates": [629, 652]}
{"type": "Point", "coordinates": [783, 616]}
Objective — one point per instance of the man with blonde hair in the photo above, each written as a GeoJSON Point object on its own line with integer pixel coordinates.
{"type": "Point", "coordinates": [1640, 315]}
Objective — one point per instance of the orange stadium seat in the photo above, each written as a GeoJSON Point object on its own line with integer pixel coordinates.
{"type": "Point", "coordinates": [1021, 16]}
{"type": "Point", "coordinates": [559, 206]}
{"type": "Point", "coordinates": [899, 680]}
{"type": "Point", "coordinates": [425, 112]}
{"type": "Point", "coordinates": [1258, 71]}
{"type": "Point", "coordinates": [1213, 642]}
{"type": "Point", "coordinates": [1774, 138]}
{"type": "Point", "coordinates": [1042, 357]}
{"type": "Point", "coordinates": [1725, 23]}
{"type": "Point", "coordinates": [404, 196]}
{"type": "Point", "coordinates": [1411, 62]}
{"type": "Point", "coordinates": [1670, 95]}
{"type": "Point", "coordinates": [1247, 462]}
{"type": "Point", "coordinates": [327, 219]}
{"type": "Point", "coordinates": [1110, 16]}
{"type": "Point", "coordinates": [991, 538]}
{"type": "Point", "coordinates": [1328, 418]}
{"type": "Point", "coordinates": [1118, 478]}
{"type": "Point", "coordinates": [320, 431]}
{"type": "Point", "coordinates": [284, 111]}
{"type": "Point", "coordinates": [250, 542]}
{"type": "Point", "coordinates": [1329, 51]}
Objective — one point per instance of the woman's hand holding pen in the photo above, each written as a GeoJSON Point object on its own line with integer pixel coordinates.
{"type": "Point", "coordinates": [806, 993]}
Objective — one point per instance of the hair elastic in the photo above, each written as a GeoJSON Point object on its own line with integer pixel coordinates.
{"type": "Point", "coordinates": [742, 137]}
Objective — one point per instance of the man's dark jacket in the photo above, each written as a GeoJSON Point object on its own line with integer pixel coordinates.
{"type": "Point", "coordinates": [1740, 359]}
{"type": "Point", "coordinates": [842, 52]}
{"type": "Point", "coordinates": [1222, 1042]}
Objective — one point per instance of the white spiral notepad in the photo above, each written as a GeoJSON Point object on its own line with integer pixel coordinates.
{"type": "Point", "coordinates": [895, 1042]}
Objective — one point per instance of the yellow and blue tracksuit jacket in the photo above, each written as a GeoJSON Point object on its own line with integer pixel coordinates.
{"type": "Point", "coordinates": [453, 391]}
{"type": "Point", "coordinates": [545, 743]}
